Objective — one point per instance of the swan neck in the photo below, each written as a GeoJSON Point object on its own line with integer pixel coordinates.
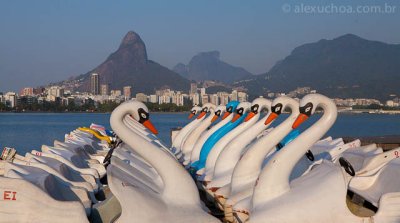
{"type": "Point", "coordinates": [252, 160]}
{"type": "Point", "coordinates": [274, 179]}
{"type": "Point", "coordinates": [178, 185]}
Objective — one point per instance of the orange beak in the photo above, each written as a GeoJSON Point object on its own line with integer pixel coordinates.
{"type": "Point", "coordinates": [201, 115]}
{"type": "Point", "coordinates": [237, 116]}
{"type": "Point", "coordinates": [249, 116]}
{"type": "Point", "coordinates": [150, 126]}
{"type": "Point", "coordinates": [300, 119]}
{"type": "Point", "coordinates": [271, 118]}
{"type": "Point", "coordinates": [225, 115]}
{"type": "Point", "coordinates": [214, 118]}
{"type": "Point", "coordinates": [191, 116]}
{"type": "Point", "coordinates": [132, 117]}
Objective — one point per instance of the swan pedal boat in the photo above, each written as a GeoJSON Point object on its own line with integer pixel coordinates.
{"type": "Point", "coordinates": [275, 195]}
{"type": "Point", "coordinates": [177, 201]}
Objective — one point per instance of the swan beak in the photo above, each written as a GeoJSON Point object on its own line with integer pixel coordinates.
{"type": "Point", "coordinates": [225, 115]}
{"type": "Point", "coordinates": [191, 116]}
{"type": "Point", "coordinates": [249, 116]}
{"type": "Point", "coordinates": [271, 118]}
{"type": "Point", "coordinates": [132, 117]}
{"type": "Point", "coordinates": [201, 115]}
{"type": "Point", "coordinates": [214, 118]}
{"type": "Point", "coordinates": [150, 126]}
{"type": "Point", "coordinates": [237, 116]}
{"type": "Point", "coordinates": [300, 119]}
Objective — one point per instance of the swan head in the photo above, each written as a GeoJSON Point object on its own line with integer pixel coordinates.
{"type": "Point", "coordinates": [218, 112]}
{"type": "Point", "coordinates": [278, 105]}
{"type": "Point", "coordinates": [194, 111]}
{"type": "Point", "coordinates": [241, 109]}
{"type": "Point", "coordinates": [308, 105]}
{"type": "Point", "coordinates": [140, 113]}
{"type": "Point", "coordinates": [230, 108]}
{"type": "Point", "coordinates": [207, 107]}
{"type": "Point", "coordinates": [257, 106]}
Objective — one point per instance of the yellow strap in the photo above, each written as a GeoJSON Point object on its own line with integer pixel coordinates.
{"type": "Point", "coordinates": [95, 133]}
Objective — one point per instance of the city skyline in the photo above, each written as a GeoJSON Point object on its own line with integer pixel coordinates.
{"type": "Point", "coordinates": [42, 45]}
{"type": "Point", "coordinates": [196, 96]}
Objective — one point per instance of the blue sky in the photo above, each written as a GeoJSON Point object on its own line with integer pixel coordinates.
{"type": "Point", "coordinates": [43, 41]}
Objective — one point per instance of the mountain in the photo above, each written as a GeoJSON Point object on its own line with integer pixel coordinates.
{"type": "Point", "coordinates": [208, 66]}
{"type": "Point", "coordinates": [347, 66]}
{"type": "Point", "coordinates": [129, 65]}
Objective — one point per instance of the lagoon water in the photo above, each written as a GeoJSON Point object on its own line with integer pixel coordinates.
{"type": "Point", "coordinates": [28, 131]}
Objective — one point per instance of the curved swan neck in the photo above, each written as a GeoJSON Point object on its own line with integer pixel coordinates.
{"type": "Point", "coordinates": [195, 134]}
{"type": "Point", "coordinates": [178, 185]}
{"type": "Point", "coordinates": [274, 179]}
{"type": "Point", "coordinates": [195, 155]}
{"type": "Point", "coordinates": [230, 155]}
{"type": "Point", "coordinates": [252, 160]}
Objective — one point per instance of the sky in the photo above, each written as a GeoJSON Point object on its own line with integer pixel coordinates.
{"type": "Point", "coordinates": [45, 41]}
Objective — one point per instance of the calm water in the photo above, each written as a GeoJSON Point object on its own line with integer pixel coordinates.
{"type": "Point", "coordinates": [26, 132]}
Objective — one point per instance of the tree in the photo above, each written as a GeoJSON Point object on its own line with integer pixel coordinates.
{"type": "Point", "coordinates": [3, 107]}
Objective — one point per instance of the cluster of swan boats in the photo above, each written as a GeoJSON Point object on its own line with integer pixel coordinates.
{"type": "Point", "coordinates": [228, 159]}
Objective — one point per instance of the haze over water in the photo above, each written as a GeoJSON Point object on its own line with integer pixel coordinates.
{"type": "Point", "coordinates": [29, 131]}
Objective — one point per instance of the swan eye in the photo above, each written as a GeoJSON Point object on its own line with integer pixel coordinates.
{"type": "Point", "coordinates": [229, 109]}
{"type": "Point", "coordinates": [218, 113]}
{"type": "Point", "coordinates": [143, 115]}
{"type": "Point", "coordinates": [240, 111]}
{"type": "Point", "coordinates": [277, 108]}
{"type": "Point", "coordinates": [254, 108]}
{"type": "Point", "coordinates": [307, 109]}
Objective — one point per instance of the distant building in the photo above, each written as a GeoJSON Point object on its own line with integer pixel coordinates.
{"type": "Point", "coordinates": [55, 91]}
{"type": "Point", "coordinates": [193, 88]}
{"type": "Point", "coordinates": [115, 93]}
{"type": "Point", "coordinates": [178, 99]}
{"type": "Point", "coordinates": [139, 96]}
{"type": "Point", "coordinates": [27, 99]}
{"type": "Point", "coordinates": [104, 89]}
{"type": "Point", "coordinates": [164, 99]}
{"type": "Point", "coordinates": [2, 99]}
{"type": "Point", "coordinates": [26, 91]}
{"type": "Point", "coordinates": [242, 97]}
{"type": "Point", "coordinates": [202, 91]}
{"type": "Point", "coordinates": [38, 90]}
{"type": "Point", "coordinates": [390, 103]}
{"type": "Point", "coordinates": [224, 98]}
{"type": "Point", "coordinates": [153, 98]}
{"type": "Point", "coordinates": [204, 99]}
{"type": "Point", "coordinates": [127, 92]}
{"type": "Point", "coordinates": [234, 95]}
{"type": "Point", "coordinates": [214, 99]}
{"type": "Point", "coordinates": [195, 98]}
{"type": "Point", "coordinates": [11, 99]}
{"type": "Point", "coordinates": [94, 84]}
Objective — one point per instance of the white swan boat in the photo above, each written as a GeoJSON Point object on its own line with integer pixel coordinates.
{"type": "Point", "coordinates": [276, 199]}
{"type": "Point", "coordinates": [177, 202]}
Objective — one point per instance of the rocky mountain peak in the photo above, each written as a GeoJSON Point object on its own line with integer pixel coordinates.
{"type": "Point", "coordinates": [211, 54]}
{"type": "Point", "coordinates": [130, 38]}
{"type": "Point", "coordinates": [129, 65]}
{"type": "Point", "coordinates": [208, 66]}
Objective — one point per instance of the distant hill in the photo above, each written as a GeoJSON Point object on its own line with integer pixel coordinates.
{"type": "Point", "coordinates": [208, 66]}
{"type": "Point", "coordinates": [348, 66]}
{"type": "Point", "coordinates": [129, 65]}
